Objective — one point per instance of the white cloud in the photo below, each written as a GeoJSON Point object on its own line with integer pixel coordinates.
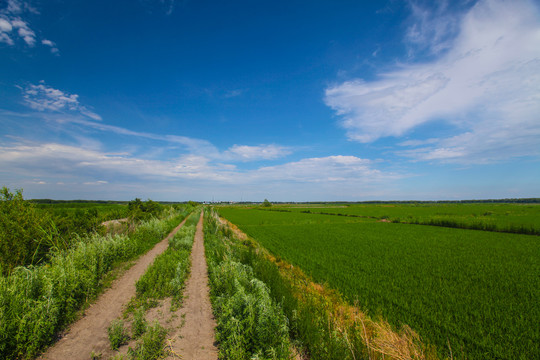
{"type": "Point", "coordinates": [99, 182]}
{"type": "Point", "coordinates": [51, 44]}
{"type": "Point", "coordinates": [233, 93]}
{"type": "Point", "coordinates": [13, 25]}
{"type": "Point", "coordinates": [57, 162]}
{"type": "Point", "coordinates": [44, 98]}
{"type": "Point", "coordinates": [5, 25]}
{"type": "Point", "coordinates": [330, 169]}
{"type": "Point", "coordinates": [241, 153]}
{"type": "Point", "coordinates": [253, 153]}
{"type": "Point", "coordinates": [14, 6]}
{"type": "Point", "coordinates": [24, 31]}
{"type": "Point", "coordinates": [487, 82]}
{"type": "Point", "coordinates": [432, 30]}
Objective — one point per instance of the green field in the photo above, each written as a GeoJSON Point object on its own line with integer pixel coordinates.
{"type": "Point", "coordinates": [475, 292]}
{"type": "Point", "coordinates": [514, 218]}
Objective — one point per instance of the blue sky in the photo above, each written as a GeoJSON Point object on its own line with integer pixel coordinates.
{"type": "Point", "coordinates": [285, 100]}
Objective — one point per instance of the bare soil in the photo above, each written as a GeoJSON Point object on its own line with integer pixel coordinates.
{"type": "Point", "coordinates": [90, 332]}
{"type": "Point", "coordinates": [195, 339]}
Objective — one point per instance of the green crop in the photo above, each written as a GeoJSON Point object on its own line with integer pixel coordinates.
{"type": "Point", "coordinates": [513, 218]}
{"type": "Point", "coordinates": [473, 292]}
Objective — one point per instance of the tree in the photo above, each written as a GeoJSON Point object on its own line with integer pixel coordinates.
{"type": "Point", "coordinates": [266, 203]}
{"type": "Point", "coordinates": [22, 231]}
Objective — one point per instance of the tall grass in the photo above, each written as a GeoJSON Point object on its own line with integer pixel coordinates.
{"type": "Point", "coordinates": [167, 274]}
{"type": "Point", "coordinates": [38, 301]}
{"type": "Point", "coordinates": [251, 325]}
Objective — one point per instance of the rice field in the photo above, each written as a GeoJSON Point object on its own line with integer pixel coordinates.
{"type": "Point", "coordinates": [473, 294]}
{"type": "Point", "coordinates": [501, 217]}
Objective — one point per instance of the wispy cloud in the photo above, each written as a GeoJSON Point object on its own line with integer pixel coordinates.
{"type": "Point", "coordinates": [13, 26]}
{"type": "Point", "coordinates": [44, 98]}
{"type": "Point", "coordinates": [167, 6]}
{"type": "Point", "coordinates": [431, 29]}
{"type": "Point", "coordinates": [50, 44]}
{"type": "Point", "coordinates": [254, 153]}
{"type": "Point", "coordinates": [58, 162]}
{"type": "Point", "coordinates": [329, 169]}
{"type": "Point", "coordinates": [486, 83]}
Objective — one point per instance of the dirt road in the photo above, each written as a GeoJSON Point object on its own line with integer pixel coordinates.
{"type": "Point", "coordinates": [195, 339]}
{"type": "Point", "coordinates": [90, 332]}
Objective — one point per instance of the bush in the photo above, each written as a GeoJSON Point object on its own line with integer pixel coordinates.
{"type": "Point", "coordinates": [152, 344]}
{"type": "Point", "coordinates": [23, 231]}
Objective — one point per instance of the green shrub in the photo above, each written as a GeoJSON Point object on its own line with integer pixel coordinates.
{"type": "Point", "coordinates": [23, 231]}
{"type": "Point", "coordinates": [117, 334]}
{"type": "Point", "coordinates": [152, 344]}
{"type": "Point", "coordinates": [140, 324]}
{"type": "Point", "coordinates": [167, 274]}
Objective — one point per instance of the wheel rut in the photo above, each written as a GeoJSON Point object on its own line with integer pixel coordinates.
{"type": "Point", "coordinates": [90, 332]}
{"type": "Point", "coordinates": [196, 338]}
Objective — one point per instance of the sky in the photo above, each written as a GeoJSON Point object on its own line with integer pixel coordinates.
{"type": "Point", "coordinates": [286, 100]}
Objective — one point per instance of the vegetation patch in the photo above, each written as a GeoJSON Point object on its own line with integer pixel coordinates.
{"type": "Point", "coordinates": [38, 301]}
{"type": "Point", "coordinates": [464, 291]}
{"type": "Point", "coordinates": [250, 323]}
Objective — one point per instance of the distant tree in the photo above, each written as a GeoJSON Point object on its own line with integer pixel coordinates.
{"type": "Point", "coordinates": [142, 210]}
{"type": "Point", "coordinates": [266, 203]}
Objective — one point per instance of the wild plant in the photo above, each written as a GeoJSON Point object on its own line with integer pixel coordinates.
{"type": "Point", "coordinates": [139, 324]}
{"type": "Point", "coordinates": [151, 345]}
{"type": "Point", "coordinates": [250, 324]}
{"type": "Point", "coordinates": [117, 333]}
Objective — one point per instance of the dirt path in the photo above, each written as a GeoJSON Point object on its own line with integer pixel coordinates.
{"type": "Point", "coordinates": [195, 339]}
{"type": "Point", "coordinates": [90, 332]}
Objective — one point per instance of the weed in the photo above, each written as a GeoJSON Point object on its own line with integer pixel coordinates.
{"type": "Point", "coordinates": [117, 334]}
{"type": "Point", "coordinates": [151, 345]}
{"type": "Point", "coordinates": [139, 323]}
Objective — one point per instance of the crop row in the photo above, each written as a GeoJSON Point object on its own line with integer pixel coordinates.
{"type": "Point", "coordinates": [512, 218]}
{"type": "Point", "coordinates": [473, 294]}
{"type": "Point", "coordinates": [38, 301]}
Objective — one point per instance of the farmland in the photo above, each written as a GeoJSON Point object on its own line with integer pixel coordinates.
{"type": "Point", "coordinates": [501, 217]}
{"type": "Point", "coordinates": [473, 294]}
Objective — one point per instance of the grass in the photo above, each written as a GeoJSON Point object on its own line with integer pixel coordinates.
{"type": "Point", "coordinates": [167, 274]}
{"type": "Point", "coordinates": [251, 325]}
{"type": "Point", "coordinates": [475, 292]}
{"type": "Point", "coordinates": [117, 333]}
{"type": "Point", "coordinates": [151, 345]}
{"type": "Point", "coordinates": [38, 301]}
